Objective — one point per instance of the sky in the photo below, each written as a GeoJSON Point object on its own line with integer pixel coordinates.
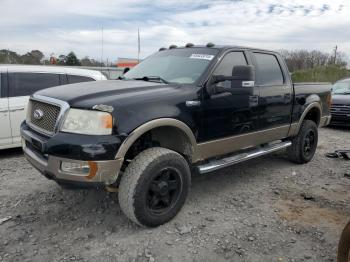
{"type": "Point", "coordinates": [60, 26]}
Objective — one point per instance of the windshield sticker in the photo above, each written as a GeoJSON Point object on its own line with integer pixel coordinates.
{"type": "Point", "coordinates": [202, 56]}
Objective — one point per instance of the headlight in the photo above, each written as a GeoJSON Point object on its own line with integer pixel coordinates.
{"type": "Point", "coordinates": [88, 122]}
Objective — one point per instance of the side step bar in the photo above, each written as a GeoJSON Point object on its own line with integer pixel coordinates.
{"type": "Point", "coordinates": [240, 157]}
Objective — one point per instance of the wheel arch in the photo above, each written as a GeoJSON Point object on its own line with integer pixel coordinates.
{"type": "Point", "coordinates": [312, 112]}
{"type": "Point", "coordinates": [163, 128]}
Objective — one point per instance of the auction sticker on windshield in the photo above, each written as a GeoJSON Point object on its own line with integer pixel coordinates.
{"type": "Point", "coordinates": [202, 56]}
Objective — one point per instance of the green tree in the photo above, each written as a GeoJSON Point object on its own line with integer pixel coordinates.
{"type": "Point", "coordinates": [33, 57]}
{"type": "Point", "coordinates": [71, 59]}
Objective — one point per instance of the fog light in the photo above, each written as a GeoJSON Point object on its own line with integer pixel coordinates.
{"type": "Point", "coordinates": [76, 168]}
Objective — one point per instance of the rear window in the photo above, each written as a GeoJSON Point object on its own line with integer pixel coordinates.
{"type": "Point", "coordinates": [268, 70]}
{"type": "Point", "coordinates": [78, 79]}
{"type": "Point", "coordinates": [25, 84]}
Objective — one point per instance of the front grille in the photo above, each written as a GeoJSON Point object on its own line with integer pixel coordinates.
{"type": "Point", "coordinates": [49, 114]}
{"type": "Point", "coordinates": [340, 110]}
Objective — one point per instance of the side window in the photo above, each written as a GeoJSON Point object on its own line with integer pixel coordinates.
{"type": "Point", "coordinates": [77, 79]}
{"type": "Point", "coordinates": [268, 70]}
{"type": "Point", "coordinates": [25, 84]}
{"type": "Point", "coordinates": [227, 63]}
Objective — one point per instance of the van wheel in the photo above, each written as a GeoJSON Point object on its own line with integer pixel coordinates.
{"type": "Point", "coordinates": [154, 186]}
{"type": "Point", "coordinates": [304, 145]}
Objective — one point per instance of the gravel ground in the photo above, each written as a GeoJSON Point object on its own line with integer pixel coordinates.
{"type": "Point", "coordinates": [267, 209]}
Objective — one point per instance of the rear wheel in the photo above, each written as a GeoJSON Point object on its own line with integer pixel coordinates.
{"type": "Point", "coordinates": [154, 186]}
{"type": "Point", "coordinates": [304, 145]}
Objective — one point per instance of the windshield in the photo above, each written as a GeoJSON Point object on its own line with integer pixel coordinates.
{"type": "Point", "coordinates": [341, 88]}
{"type": "Point", "coordinates": [183, 66]}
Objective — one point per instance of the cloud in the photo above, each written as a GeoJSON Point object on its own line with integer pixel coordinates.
{"type": "Point", "coordinates": [59, 26]}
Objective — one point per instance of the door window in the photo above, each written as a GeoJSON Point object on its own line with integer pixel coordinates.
{"type": "Point", "coordinates": [25, 84]}
{"type": "Point", "coordinates": [78, 79]}
{"type": "Point", "coordinates": [268, 70]}
{"type": "Point", "coordinates": [225, 67]}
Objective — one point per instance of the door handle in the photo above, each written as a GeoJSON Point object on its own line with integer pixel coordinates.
{"type": "Point", "coordinates": [17, 109]}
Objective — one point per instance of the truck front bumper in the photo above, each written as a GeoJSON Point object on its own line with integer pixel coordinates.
{"type": "Point", "coordinates": [84, 172]}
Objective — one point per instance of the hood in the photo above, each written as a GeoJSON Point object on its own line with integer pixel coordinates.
{"type": "Point", "coordinates": [109, 92]}
{"type": "Point", "coordinates": [341, 99]}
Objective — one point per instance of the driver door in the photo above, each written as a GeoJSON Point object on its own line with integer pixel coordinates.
{"type": "Point", "coordinates": [227, 114]}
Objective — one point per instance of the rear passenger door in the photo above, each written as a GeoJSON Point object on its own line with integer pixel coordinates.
{"type": "Point", "coordinates": [21, 86]}
{"type": "Point", "coordinates": [5, 129]}
{"type": "Point", "coordinates": [275, 100]}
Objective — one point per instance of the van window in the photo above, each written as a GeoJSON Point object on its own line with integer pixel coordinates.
{"type": "Point", "coordinates": [77, 79]}
{"type": "Point", "coordinates": [25, 84]}
{"type": "Point", "coordinates": [268, 70]}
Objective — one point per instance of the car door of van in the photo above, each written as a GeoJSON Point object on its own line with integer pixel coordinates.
{"type": "Point", "coordinates": [21, 86]}
{"type": "Point", "coordinates": [5, 130]}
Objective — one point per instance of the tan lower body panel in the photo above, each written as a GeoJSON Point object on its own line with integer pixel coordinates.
{"type": "Point", "coordinates": [230, 144]}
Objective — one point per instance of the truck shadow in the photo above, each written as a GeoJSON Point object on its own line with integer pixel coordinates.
{"type": "Point", "coordinates": [11, 152]}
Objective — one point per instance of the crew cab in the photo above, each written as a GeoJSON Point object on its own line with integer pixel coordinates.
{"type": "Point", "coordinates": [18, 82]}
{"type": "Point", "coordinates": [180, 111]}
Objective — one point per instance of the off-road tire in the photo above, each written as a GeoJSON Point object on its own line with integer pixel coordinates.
{"type": "Point", "coordinates": [344, 245]}
{"type": "Point", "coordinates": [296, 151]}
{"type": "Point", "coordinates": [135, 183]}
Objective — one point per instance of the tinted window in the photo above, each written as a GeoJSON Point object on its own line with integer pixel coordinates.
{"type": "Point", "coordinates": [268, 70]}
{"type": "Point", "coordinates": [228, 62]}
{"type": "Point", "coordinates": [226, 65]}
{"type": "Point", "coordinates": [77, 79]}
{"type": "Point", "coordinates": [25, 84]}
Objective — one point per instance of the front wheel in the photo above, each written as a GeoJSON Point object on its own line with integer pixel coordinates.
{"type": "Point", "coordinates": [154, 186]}
{"type": "Point", "coordinates": [304, 145]}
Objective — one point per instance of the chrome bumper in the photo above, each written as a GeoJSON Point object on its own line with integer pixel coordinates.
{"type": "Point", "coordinates": [101, 172]}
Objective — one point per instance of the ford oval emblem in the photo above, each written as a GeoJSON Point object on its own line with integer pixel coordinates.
{"type": "Point", "coordinates": [38, 114]}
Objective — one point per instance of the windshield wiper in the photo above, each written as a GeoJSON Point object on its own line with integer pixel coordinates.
{"type": "Point", "coordinates": [152, 79]}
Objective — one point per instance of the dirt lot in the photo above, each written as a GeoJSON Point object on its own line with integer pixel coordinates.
{"type": "Point", "coordinates": [267, 209]}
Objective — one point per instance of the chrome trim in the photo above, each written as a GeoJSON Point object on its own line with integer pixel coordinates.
{"type": "Point", "coordinates": [248, 83]}
{"type": "Point", "coordinates": [234, 159]}
{"type": "Point", "coordinates": [64, 106]}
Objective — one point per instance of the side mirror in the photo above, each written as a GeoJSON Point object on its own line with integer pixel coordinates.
{"type": "Point", "coordinates": [242, 80]}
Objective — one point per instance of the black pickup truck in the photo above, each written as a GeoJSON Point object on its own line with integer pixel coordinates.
{"type": "Point", "coordinates": [182, 110]}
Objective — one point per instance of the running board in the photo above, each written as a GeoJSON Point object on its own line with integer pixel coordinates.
{"type": "Point", "coordinates": [240, 157]}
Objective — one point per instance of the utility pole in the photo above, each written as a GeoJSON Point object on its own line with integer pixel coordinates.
{"type": "Point", "coordinates": [138, 45]}
{"type": "Point", "coordinates": [335, 54]}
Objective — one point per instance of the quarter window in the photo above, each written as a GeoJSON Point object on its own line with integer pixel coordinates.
{"type": "Point", "coordinates": [72, 79]}
{"type": "Point", "coordinates": [25, 84]}
{"type": "Point", "coordinates": [268, 70]}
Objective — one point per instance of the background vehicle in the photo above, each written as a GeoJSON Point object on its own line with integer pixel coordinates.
{"type": "Point", "coordinates": [182, 110]}
{"type": "Point", "coordinates": [18, 82]}
{"type": "Point", "coordinates": [340, 109]}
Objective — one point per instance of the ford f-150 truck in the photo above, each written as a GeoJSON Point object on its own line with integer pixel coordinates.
{"type": "Point", "coordinates": [180, 111]}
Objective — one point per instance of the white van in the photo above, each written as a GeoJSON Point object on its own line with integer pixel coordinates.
{"type": "Point", "coordinates": [18, 82]}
